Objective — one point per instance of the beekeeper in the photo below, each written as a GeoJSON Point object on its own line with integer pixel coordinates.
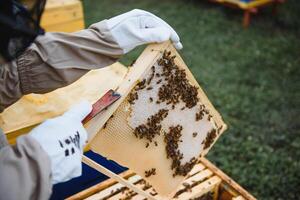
{"type": "Point", "coordinates": [34, 62]}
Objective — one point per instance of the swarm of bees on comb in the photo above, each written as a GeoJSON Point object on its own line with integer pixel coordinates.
{"type": "Point", "coordinates": [173, 91]}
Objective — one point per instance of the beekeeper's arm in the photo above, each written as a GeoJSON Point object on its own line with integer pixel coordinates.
{"type": "Point", "coordinates": [46, 155]}
{"type": "Point", "coordinates": [51, 153]}
{"type": "Point", "coordinates": [58, 59]}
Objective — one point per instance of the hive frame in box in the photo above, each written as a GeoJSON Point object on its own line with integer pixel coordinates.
{"type": "Point", "coordinates": [150, 55]}
{"type": "Point", "coordinates": [211, 180]}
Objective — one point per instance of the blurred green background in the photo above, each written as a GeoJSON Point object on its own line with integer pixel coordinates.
{"type": "Point", "coordinates": [250, 75]}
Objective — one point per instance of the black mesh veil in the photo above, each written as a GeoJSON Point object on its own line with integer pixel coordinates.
{"type": "Point", "coordinates": [19, 26]}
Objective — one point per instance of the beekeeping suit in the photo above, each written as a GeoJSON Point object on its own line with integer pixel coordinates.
{"type": "Point", "coordinates": [51, 153]}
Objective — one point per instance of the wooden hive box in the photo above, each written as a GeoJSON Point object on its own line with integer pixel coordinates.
{"type": "Point", "coordinates": [33, 109]}
{"type": "Point", "coordinates": [58, 16]}
{"type": "Point", "coordinates": [204, 182]}
{"type": "Point", "coordinates": [61, 15]}
{"type": "Point", "coordinates": [250, 7]}
{"type": "Point", "coordinates": [139, 137]}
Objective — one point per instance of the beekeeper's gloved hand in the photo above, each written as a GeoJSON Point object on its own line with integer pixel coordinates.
{"type": "Point", "coordinates": [63, 139]}
{"type": "Point", "coordinates": [139, 27]}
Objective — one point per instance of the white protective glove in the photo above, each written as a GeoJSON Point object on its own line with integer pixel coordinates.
{"type": "Point", "coordinates": [63, 139]}
{"type": "Point", "coordinates": [139, 27]}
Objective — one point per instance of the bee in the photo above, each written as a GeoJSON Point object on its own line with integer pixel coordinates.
{"type": "Point", "coordinates": [209, 117]}
{"type": "Point", "coordinates": [104, 126]}
{"type": "Point", "coordinates": [141, 85]}
{"type": "Point", "coordinates": [153, 193]}
{"type": "Point", "coordinates": [150, 172]}
{"type": "Point", "coordinates": [187, 187]}
{"type": "Point", "coordinates": [199, 115]}
{"type": "Point", "coordinates": [132, 97]}
{"type": "Point", "coordinates": [210, 137]}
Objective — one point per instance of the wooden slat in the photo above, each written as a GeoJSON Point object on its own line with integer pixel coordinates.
{"type": "Point", "coordinates": [139, 197]}
{"type": "Point", "coordinates": [197, 168]}
{"type": "Point", "coordinates": [100, 186]}
{"type": "Point", "coordinates": [134, 195]}
{"type": "Point", "coordinates": [105, 193]}
{"type": "Point", "coordinates": [227, 179]}
{"type": "Point", "coordinates": [116, 177]}
{"type": "Point", "coordinates": [205, 174]}
{"type": "Point", "coordinates": [201, 189]}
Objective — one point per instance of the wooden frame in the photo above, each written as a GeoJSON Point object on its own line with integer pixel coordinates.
{"type": "Point", "coordinates": [111, 141]}
{"type": "Point", "coordinates": [210, 178]}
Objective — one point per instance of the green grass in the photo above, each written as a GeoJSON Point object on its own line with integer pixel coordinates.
{"type": "Point", "coordinates": [250, 75]}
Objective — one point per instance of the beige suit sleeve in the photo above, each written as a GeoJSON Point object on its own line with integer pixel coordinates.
{"type": "Point", "coordinates": [25, 171]}
{"type": "Point", "coordinates": [56, 60]}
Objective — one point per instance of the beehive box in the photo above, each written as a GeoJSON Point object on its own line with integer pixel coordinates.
{"type": "Point", "coordinates": [244, 4]}
{"type": "Point", "coordinates": [249, 7]}
{"type": "Point", "coordinates": [63, 16]}
{"type": "Point", "coordinates": [163, 122]}
{"type": "Point", "coordinates": [204, 182]}
{"type": "Point", "coordinates": [58, 16]}
{"type": "Point", "coordinates": [33, 109]}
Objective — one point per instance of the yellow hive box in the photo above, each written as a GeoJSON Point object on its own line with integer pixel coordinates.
{"type": "Point", "coordinates": [33, 109]}
{"type": "Point", "coordinates": [63, 16]}
{"type": "Point", "coordinates": [58, 16]}
{"type": "Point", "coordinates": [246, 5]}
